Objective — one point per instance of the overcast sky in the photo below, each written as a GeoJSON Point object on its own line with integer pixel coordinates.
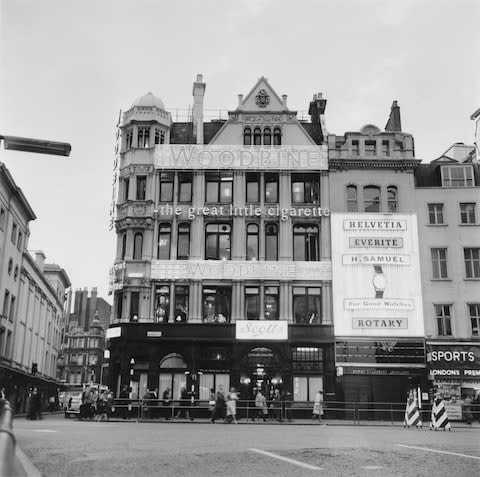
{"type": "Point", "coordinates": [68, 67]}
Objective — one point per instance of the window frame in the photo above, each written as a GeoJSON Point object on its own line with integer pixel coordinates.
{"type": "Point", "coordinates": [221, 293]}
{"type": "Point", "coordinates": [468, 179]}
{"type": "Point", "coordinates": [252, 235]}
{"type": "Point", "coordinates": [218, 178]}
{"type": "Point", "coordinates": [392, 203]}
{"type": "Point", "coordinates": [373, 201]}
{"type": "Point", "coordinates": [310, 188]}
{"type": "Point", "coordinates": [271, 234]}
{"type": "Point", "coordinates": [268, 292]}
{"type": "Point", "coordinates": [252, 291]}
{"type": "Point", "coordinates": [252, 178]}
{"type": "Point", "coordinates": [444, 321]}
{"type": "Point", "coordinates": [350, 201]}
{"type": "Point", "coordinates": [433, 213]}
{"type": "Point", "coordinates": [307, 246]}
{"type": "Point", "coordinates": [474, 318]}
{"type": "Point", "coordinates": [218, 233]}
{"type": "Point", "coordinates": [472, 263]}
{"type": "Point", "coordinates": [307, 320]}
{"type": "Point", "coordinates": [182, 176]}
{"type": "Point", "coordinates": [439, 264]}
{"type": "Point", "coordinates": [271, 178]}
{"type": "Point", "coordinates": [165, 233]}
{"type": "Point", "coordinates": [468, 217]}
{"type": "Point", "coordinates": [141, 183]}
{"type": "Point", "coordinates": [166, 186]}
{"type": "Point", "coordinates": [137, 248]}
{"type": "Point", "coordinates": [182, 233]}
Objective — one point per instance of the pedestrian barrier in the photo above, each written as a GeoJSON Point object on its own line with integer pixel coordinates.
{"type": "Point", "coordinates": [439, 417]}
{"type": "Point", "coordinates": [7, 440]}
{"type": "Point", "coordinates": [412, 414]}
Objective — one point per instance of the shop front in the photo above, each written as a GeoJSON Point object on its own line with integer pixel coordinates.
{"type": "Point", "coordinates": [454, 371]}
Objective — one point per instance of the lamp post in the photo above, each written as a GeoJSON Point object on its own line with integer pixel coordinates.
{"type": "Point", "coordinates": [39, 146]}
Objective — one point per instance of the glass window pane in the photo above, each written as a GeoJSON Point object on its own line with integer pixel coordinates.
{"type": "Point", "coordinates": [298, 192]}
{"type": "Point", "coordinates": [271, 247]}
{"type": "Point", "coordinates": [212, 191]}
{"type": "Point", "coordinates": [206, 383]}
{"type": "Point", "coordinates": [226, 191]}
{"type": "Point", "coordinates": [224, 247]}
{"type": "Point", "coordinates": [300, 309]}
{"type": "Point", "coordinates": [299, 247]}
{"type": "Point", "coordinates": [300, 388]}
{"type": "Point", "coordinates": [211, 247]}
{"type": "Point", "coordinates": [253, 191]}
{"type": "Point", "coordinates": [271, 188]}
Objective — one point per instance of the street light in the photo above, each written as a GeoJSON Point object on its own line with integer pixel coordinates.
{"type": "Point", "coordinates": [40, 146]}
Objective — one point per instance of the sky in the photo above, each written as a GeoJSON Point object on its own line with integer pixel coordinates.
{"type": "Point", "coordinates": [68, 67]}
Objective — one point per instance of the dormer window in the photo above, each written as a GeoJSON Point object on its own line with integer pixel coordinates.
{"type": "Point", "coordinates": [457, 176]}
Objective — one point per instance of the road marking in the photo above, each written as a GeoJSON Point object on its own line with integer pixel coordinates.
{"type": "Point", "coordinates": [440, 451]}
{"type": "Point", "coordinates": [286, 459]}
{"type": "Point", "coordinates": [26, 463]}
{"type": "Point", "coordinates": [372, 467]}
{"type": "Point", "coordinates": [41, 430]}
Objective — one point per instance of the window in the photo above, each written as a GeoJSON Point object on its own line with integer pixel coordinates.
{"type": "Point", "coordinates": [124, 246]}
{"type": "Point", "coordinates": [141, 187]}
{"type": "Point", "coordinates": [247, 137]}
{"type": "Point", "coordinates": [439, 263]}
{"type": "Point", "coordinates": [162, 303]}
{"type": "Point", "coordinates": [307, 358]}
{"type": "Point", "coordinates": [474, 310]}
{"type": "Point", "coordinates": [371, 198]}
{"type": "Point", "coordinates": [217, 304]}
{"type": "Point", "coordinates": [217, 241]}
{"type": "Point", "coordinates": [435, 214]}
{"type": "Point", "coordinates": [355, 148]}
{"type": "Point", "coordinates": [159, 136]}
{"type": "Point", "coordinates": [370, 148]}
{"type": "Point", "coordinates": [134, 305]}
{"type": "Point", "coordinates": [138, 246]}
{"type": "Point", "coordinates": [166, 187]}
{"type": "Point", "coordinates": [305, 243]}
{"type": "Point", "coordinates": [183, 241]}
{"type": "Point", "coordinates": [12, 308]}
{"type": "Point", "coordinates": [271, 242]}
{"type": "Point", "coordinates": [252, 242]}
{"type": "Point", "coordinates": [10, 266]}
{"type": "Point", "coordinates": [386, 148]}
{"type": "Point", "coordinates": [277, 137]}
{"type": "Point", "coordinates": [143, 136]}
{"type": "Point", "coordinates": [392, 198]}
{"type": "Point", "coordinates": [185, 180]}
{"type": "Point", "coordinates": [15, 273]}
{"type": "Point", "coordinates": [252, 303]}
{"type": "Point", "coordinates": [13, 237]}
{"type": "Point", "coordinates": [306, 305]}
{"type": "Point", "coordinates": [164, 237]}
{"type": "Point", "coordinates": [305, 189]}
{"type": "Point", "coordinates": [129, 141]}
{"type": "Point", "coordinates": [2, 218]}
{"type": "Point", "coordinates": [270, 303]}
{"type": "Point", "coordinates": [19, 240]}
{"type": "Point", "coordinates": [271, 188]}
{"type": "Point", "coordinates": [126, 187]}
{"type": "Point", "coordinates": [467, 213]}
{"type": "Point", "coordinates": [444, 321]}
{"type": "Point", "coordinates": [352, 199]}
{"type": "Point", "coordinates": [257, 137]}
{"type": "Point", "coordinates": [267, 137]}
{"type": "Point", "coordinates": [219, 187]}
{"type": "Point", "coordinates": [253, 187]}
{"type": "Point", "coordinates": [181, 304]}
{"type": "Point", "coordinates": [6, 300]}
{"type": "Point", "coordinates": [457, 176]}
{"type": "Point", "coordinates": [472, 262]}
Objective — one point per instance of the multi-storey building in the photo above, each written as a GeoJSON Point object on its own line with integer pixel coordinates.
{"type": "Point", "coordinates": [222, 269]}
{"type": "Point", "coordinates": [447, 202]}
{"type": "Point", "coordinates": [376, 277]}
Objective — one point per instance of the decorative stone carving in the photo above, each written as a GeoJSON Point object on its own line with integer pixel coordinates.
{"type": "Point", "coordinates": [262, 100]}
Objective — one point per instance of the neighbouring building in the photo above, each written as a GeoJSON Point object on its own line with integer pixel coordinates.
{"type": "Point", "coordinates": [447, 202]}
{"type": "Point", "coordinates": [222, 275]}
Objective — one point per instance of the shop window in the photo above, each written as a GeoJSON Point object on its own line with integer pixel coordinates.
{"type": "Point", "coordinates": [257, 137]}
{"type": "Point", "coordinates": [370, 148]}
{"type": "Point", "coordinates": [277, 137]}
{"type": "Point", "coordinates": [217, 241]}
{"type": "Point", "coordinates": [171, 380]}
{"type": "Point", "coordinates": [472, 262]}
{"type": "Point", "coordinates": [164, 239]}
{"type": "Point", "coordinates": [219, 187]}
{"type": "Point", "coordinates": [305, 189]}
{"type": "Point", "coordinates": [141, 187]}
{"type": "Point", "coordinates": [271, 242]}
{"type": "Point", "coordinates": [183, 241]}
{"type": "Point", "coordinates": [138, 246]}
{"type": "Point", "coordinates": [143, 137]}
{"type": "Point", "coordinates": [355, 148]}
{"type": "Point", "coordinates": [252, 242]}
{"type": "Point", "coordinates": [267, 137]}
{"type": "Point", "coordinates": [253, 187]}
{"type": "Point", "coordinates": [129, 139]}
{"type": "Point", "coordinates": [386, 148]}
{"type": "Point", "coordinates": [271, 188]}
{"type": "Point", "coordinates": [270, 303]}
{"type": "Point", "coordinates": [124, 246]}
{"type": "Point", "coordinates": [439, 263]}
{"type": "Point", "coordinates": [247, 137]}
{"type": "Point", "coordinates": [306, 305]}
{"type": "Point", "coordinates": [305, 243]}
{"type": "Point", "coordinates": [467, 213]}
{"type": "Point", "coordinates": [162, 303]}
{"type": "Point", "coordinates": [392, 198]}
{"type": "Point", "coordinates": [166, 187]}
{"type": "Point", "coordinates": [457, 176]}
{"type": "Point", "coordinates": [474, 311]}
{"type": "Point", "coordinates": [307, 358]}
{"type": "Point", "coordinates": [185, 181]}
{"type": "Point", "coordinates": [371, 198]}
{"type": "Point", "coordinates": [252, 303]}
{"type": "Point", "coordinates": [217, 382]}
{"type": "Point", "coordinates": [435, 214]}
{"type": "Point", "coordinates": [126, 188]}
{"type": "Point", "coordinates": [181, 304]}
{"type": "Point", "coordinates": [134, 306]}
{"type": "Point", "coordinates": [217, 304]}
{"type": "Point", "coordinates": [159, 136]}
{"type": "Point", "coordinates": [444, 320]}
{"type": "Point", "coordinates": [352, 198]}
{"type": "Point", "coordinates": [306, 387]}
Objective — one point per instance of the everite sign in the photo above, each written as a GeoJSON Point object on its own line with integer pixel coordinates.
{"type": "Point", "coordinates": [376, 275]}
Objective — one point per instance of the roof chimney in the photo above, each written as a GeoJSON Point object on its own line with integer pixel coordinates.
{"type": "Point", "coordinates": [284, 100]}
{"type": "Point", "coordinates": [197, 112]}
{"type": "Point", "coordinates": [240, 99]}
{"type": "Point", "coordinates": [394, 123]}
{"type": "Point", "coordinates": [316, 111]}
{"type": "Point", "coordinates": [40, 260]}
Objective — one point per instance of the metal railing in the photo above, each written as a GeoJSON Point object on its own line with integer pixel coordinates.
{"type": "Point", "coordinates": [7, 440]}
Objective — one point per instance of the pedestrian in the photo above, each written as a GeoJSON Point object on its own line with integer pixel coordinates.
{"type": "Point", "coordinates": [101, 408]}
{"type": "Point", "coordinates": [318, 406]}
{"type": "Point", "coordinates": [184, 402]}
{"type": "Point", "coordinates": [276, 406]}
{"type": "Point", "coordinates": [467, 409]}
{"type": "Point", "coordinates": [286, 404]}
{"type": "Point", "coordinates": [261, 406]}
{"type": "Point", "coordinates": [3, 395]}
{"type": "Point", "coordinates": [232, 398]}
{"type": "Point", "coordinates": [211, 404]}
{"type": "Point", "coordinates": [124, 403]}
{"type": "Point", "coordinates": [148, 399]}
{"type": "Point", "coordinates": [37, 404]}
{"type": "Point", "coordinates": [51, 404]}
{"type": "Point", "coordinates": [476, 406]}
{"type": "Point", "coordinates": [219, 410]}
{"type": "Point", "coordinates": [110, 409]}
{"type": "Point", "coordinates": [167, 402]}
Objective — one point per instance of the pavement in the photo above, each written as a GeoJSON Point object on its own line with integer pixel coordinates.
{"type": "Point", "coordinates": [65, 447]}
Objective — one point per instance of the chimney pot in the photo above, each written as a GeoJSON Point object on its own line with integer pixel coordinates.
{"type": "Point", "coordinates": [319, 95]}
{"type": "Point", "coordinates": [284, 99]}
{"type": "Point", "coordinates": [240, 99]}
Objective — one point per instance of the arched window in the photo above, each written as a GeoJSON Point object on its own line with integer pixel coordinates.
{"type": "Point", "coordinates": [252, 242]}
{"type": "Point", "coordinates": [267, 137]}
{"type": "Point", "coordinates": [257, 137]}
{"type": "Point", "coordinates": [352, 198]}
{"type": "Point", "coordinates": [392, 194]}
{"type": "Point", "coordinates": [183, 241]}
{"type": "Point", "coordinates": [277, 137]}
{"type": "Point", "coordinates": [371, 198]}
{"type": "Point", "coordinates": [137, 246]}
{"type": "Point", "coordinates": [143, 137]}
{"type": "Point", "coordinates": [164, 237]}
{"type": "Point", "coordinates": [173, 360]}
{"type": "Point", "coordinates": [129, 140]}
{"type": "Point", "coordinates": [247, 137]}
{"type": "Point", "coordinates": [10, 266]}
{"type": "Point", "coordinates": [124, 246]}
{"type": "Point", "coordinates": [159, 136]}
{"type": "Point", "coordinates": [271, 242]}
{"type": "Point", "coordinates": [305, 242]}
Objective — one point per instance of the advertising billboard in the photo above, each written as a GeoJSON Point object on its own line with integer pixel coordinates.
{"type": "Point", "coordinates": [376, 275]}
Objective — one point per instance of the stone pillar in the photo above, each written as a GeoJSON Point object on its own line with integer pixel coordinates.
{"type": "Point", "coordinates": [327, 313]}
{"type": "Point", "coordinates": [325, 241]}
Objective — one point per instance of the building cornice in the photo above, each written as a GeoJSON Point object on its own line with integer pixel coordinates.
{"type": "Point", "coordinates": [396, 164]}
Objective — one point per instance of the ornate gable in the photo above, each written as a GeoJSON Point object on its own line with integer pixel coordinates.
{"type": "Point", "coordinates": [262, 98]}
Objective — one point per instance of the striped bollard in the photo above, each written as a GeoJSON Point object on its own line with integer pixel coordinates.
{"type": "Point", "coordinates": [439, 419]}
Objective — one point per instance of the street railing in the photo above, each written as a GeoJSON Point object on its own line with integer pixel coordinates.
{"type": "Point", "coordinates": [7, 440]}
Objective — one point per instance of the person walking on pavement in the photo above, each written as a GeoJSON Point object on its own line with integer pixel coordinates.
{"type": "Point", "coordinates": [318, 406]}
{"type": "Point", "coordinates": [184, 402]}
{"type": "Point", "coordinates": [219, 410]}
{"type": "Point", "coordinates": [166, 402]}
{"type": "Point", "coordinates": [261, 406]}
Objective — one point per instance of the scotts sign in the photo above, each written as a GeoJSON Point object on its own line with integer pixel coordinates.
{"type": "Point", "coordinates": [451, 360]}
{"type": "Point", "coordinates": [261, 330]}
